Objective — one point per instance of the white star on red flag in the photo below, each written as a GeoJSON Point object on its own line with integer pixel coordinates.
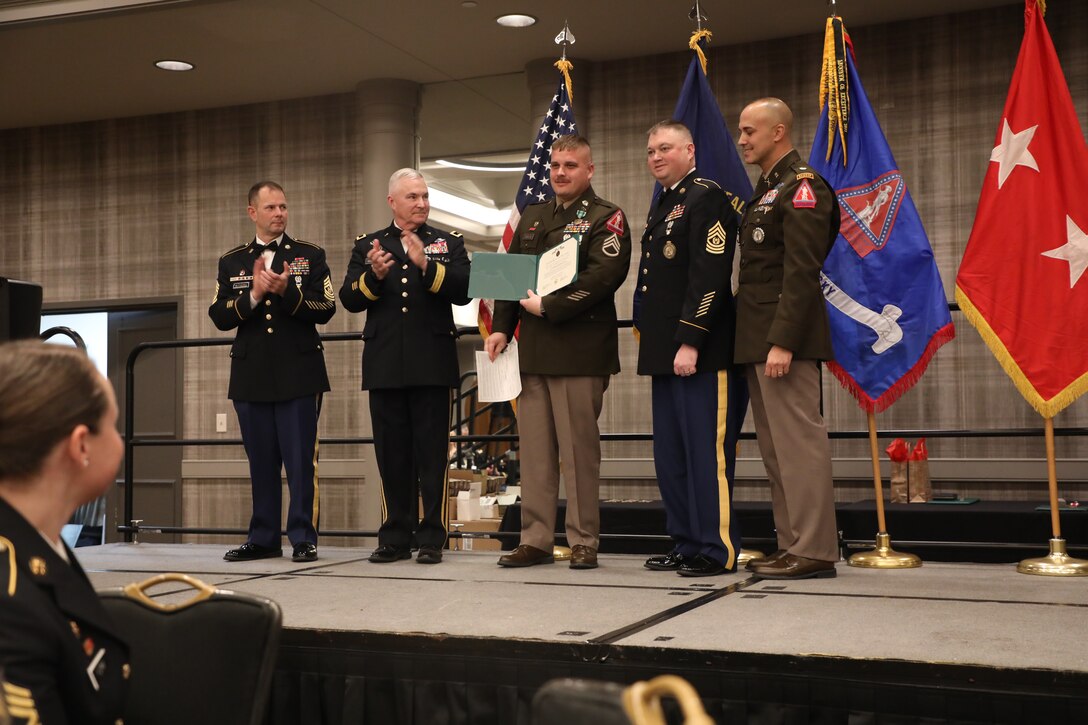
{"type": "Point", "coordinates": [1013, 151]}
{"type": "Point", "coordinates": [1074, 251]}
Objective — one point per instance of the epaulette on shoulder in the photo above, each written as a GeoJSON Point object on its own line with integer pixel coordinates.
{"type": "Point", "coordinates": [708, 183]}
{"type": "Point", "coordinates": [308, 244]}
{"type": "Point", "coordinates": [235, 250]}
{"type": "Point", "coordinates": [605, 203]}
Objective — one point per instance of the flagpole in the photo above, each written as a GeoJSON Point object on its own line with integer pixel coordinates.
{"type": "Point", "coordinates": [1057, 562]}
{"type": "Point", "coordinates": [563, 40]}
{"type": "Point", "coordinates": [700, 34]}
{"type": "Point", "coordinates": [883, 556]}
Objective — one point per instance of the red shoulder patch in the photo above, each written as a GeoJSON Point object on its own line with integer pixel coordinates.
{"type": "Point", "coordinates": [615, 223]}
{"type": "Point", "coordinates": [805, 198]}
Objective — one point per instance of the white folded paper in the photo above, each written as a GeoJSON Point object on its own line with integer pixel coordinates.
{"type": "Point", "coordinates": [498, 381]}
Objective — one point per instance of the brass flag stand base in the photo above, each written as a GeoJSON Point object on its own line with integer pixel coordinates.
{"type": "Point", "coordinates": [746, 555]}
{"type": "Point", "coordinates": [561, 553]}
{"type": "Point", "coordinates": [884, 556]}
{"type": "Point", "coordinates": [1056, 563]}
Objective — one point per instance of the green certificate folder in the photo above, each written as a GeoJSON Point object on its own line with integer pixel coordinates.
{"type": "Point", "coordinates": [499, 276]}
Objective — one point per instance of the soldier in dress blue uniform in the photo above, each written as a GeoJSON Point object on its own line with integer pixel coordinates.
{"type": "Point", "coordinates": [782, 335]}
{"type": "Point", "coordinates": [406, 277]}
{"type": "Point", "coordinates": [274, 291]}
{"type": "Point", "coordinates": [62, 659]}
{"type": "Point", "coordinates": [686, 345]}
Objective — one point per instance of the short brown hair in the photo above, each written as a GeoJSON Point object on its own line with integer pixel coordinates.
{"type": "Point", "coordinates": [47, 390]}
{"type": "Point", "coordinates": [671, 125]}
{"type": "Point", "coordinates": [255, 190]}
{"type": "Point", "coordinates": [571, 142]}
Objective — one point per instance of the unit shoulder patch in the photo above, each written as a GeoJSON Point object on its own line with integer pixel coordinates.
{"type": "Point", "coordinates": [805, 175]}
{"type": "Point", "coordinates": [615, 223]}
{"type": "Point", "coordinates": [456, 234]}
{"type": "Point", "coordinates": [804, 198]}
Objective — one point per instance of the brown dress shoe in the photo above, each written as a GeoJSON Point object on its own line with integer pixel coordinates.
{"type": "Point", "coordinates": [526, 555]}
{"type": "Point", "coordinates": [583, 557]}
{"type": "Point", "coordinates": [765, 559]}
{"type": "Point", "coordinates": [792, 566]}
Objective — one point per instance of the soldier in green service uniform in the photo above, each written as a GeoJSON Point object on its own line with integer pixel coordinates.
{"type": "Point", "coordinates": [782, 334]}
{"type": "Point", "coordinates": [568, 348]}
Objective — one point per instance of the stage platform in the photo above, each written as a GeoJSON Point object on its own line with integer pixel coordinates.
{"type": "Point", "coordinates": [467, 641]}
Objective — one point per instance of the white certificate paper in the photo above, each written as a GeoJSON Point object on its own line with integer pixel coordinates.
{"type": "Point", "coordinates": [500, 380]}
{"type": "Point", "coordinates": [557, 267]}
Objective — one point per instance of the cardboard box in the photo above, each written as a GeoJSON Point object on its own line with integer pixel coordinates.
{"type": "Point", "coordinates": [480, 526]}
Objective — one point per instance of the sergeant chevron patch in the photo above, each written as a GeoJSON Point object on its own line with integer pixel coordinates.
{"type": "Point", "coordinates": [715, 239]}
{"type": "Point", "coordinates": [611, 246]}
{"type": "Point", "coordinates": [328, 288]}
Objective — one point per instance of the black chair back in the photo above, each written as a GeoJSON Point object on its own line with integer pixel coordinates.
{"type": "Point", "coordinates": [207, 659]}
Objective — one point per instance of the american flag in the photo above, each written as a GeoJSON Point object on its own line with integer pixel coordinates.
{"type": "Point", "coordinates": [535, 186]}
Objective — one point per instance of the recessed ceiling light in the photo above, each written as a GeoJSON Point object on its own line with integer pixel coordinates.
{"type": "Point", "coordinates": [515, 21]}
{"type": "Point", "coordinates": [468, 4]}
{"type": "Point", "coordinates": [178, 65]}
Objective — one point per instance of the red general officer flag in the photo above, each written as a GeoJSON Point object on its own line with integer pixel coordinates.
{"type": "Point", "coordinates": [1023, 280]}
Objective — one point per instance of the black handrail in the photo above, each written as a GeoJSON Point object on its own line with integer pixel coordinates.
{"type": "Point", "coordinates": [131, 441]}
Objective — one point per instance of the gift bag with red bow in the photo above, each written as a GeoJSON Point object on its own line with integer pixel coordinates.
{"type": "Point", "coordinates": [899, 452]}
{"type": "Point", "coordinates": [921, 490]}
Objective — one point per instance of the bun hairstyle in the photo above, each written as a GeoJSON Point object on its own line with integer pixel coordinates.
{"type": "Point", "coordinates": [45, 392]}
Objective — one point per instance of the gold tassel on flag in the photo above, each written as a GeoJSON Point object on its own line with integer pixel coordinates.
{"type": "Point", "coordinates": [835, 85]}
{"type": "Point", "coordinates": [565, 67]}
{"type": "Point", "coordinates": [693, 43]}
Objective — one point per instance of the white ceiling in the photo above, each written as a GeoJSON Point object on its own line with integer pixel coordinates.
{"type": "Point", "coordinates": [100, 65]}
{"type": "Point", "coordinates": [64, 61]}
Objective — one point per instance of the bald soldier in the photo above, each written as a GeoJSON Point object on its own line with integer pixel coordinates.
{"type": "Point", "coordinates": [782, 335]}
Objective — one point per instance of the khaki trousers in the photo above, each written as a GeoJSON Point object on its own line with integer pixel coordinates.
{"type": "Point", "coordinates": [557, 425]}
{"type": "Point", "coordinates": [797, 455]}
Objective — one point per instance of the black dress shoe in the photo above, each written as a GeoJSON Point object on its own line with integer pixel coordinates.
{"type": "Point", "coordinates": [669, 562]}
{"type": "Point", "coordinates": [526, 555]}
{"type": "Point", "coordinates": [251, 552]}
{"type": "Point", "coordinates": [700, 565]}
{"type": "Point", "coordinates": [385, 554]}
{"type": "Point", "coordinates": [792, 566]}
{"type": "Point", "coordinates": [761, 561]}
{"type": "Point", "coordinates": [429, 555]}
{"type": "Point", "coordinates": [304, 551]}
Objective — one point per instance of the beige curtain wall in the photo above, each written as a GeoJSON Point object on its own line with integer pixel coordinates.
{"type": "Point", "coordinates": [143, 207]}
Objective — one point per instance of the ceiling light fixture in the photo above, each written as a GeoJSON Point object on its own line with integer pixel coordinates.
{"type": "Point", "coordinates": [480, 166]}
{"type": "Point", "coordinates": [174, 65]}
{"type": "Point", "coordinates": [515, 21]}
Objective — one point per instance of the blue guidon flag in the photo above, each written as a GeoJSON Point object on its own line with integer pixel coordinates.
{"type": "Point", "coordinates": [886, 303]}
{"type": "Point", "coordinates": [716, 156]}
